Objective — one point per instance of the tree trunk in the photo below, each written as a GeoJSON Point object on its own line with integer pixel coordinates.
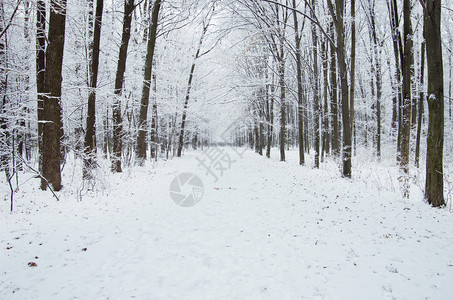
{"type": "Point", "coordinates": [334, 99]}
{"type": "Point", "coordinates": [398, 54]}
{"type": "Point", "coordinates": [299, 87]}
{"type": "Point", "coordinates": [406, 110]}
{"type": "Point", "coordinates": [378, 75]}
{"type": "Point", "coordinates": [325, 120]}
{"type": "Point", "coordinates": [281, 74]}
{"type": "Point", "coordinates": [4, 132]}
{"type": "Point", "coordinates": [142, 124]}
{"type": "Point", "coordinates": [119, 80]}
{"type": "Point", "coordinates": [154, 136]}
{"type": "Point", "coordinates": [90, 136]}
{"type": "Point", "coordinates": [270, 126]}
{"type": "Point", "coordinates": [449, 88]}
{"type": "Point", "coordinates": [420, 105]}
{"type": "Point", "coordinates": [394, 99]}
{"type": "Point", "coordinates": [352, 86]}
{"type": "Point", "coordinates": [434, 190]}
{"type": "Point", "coordinates": [316, 110]}
{"type": "Point", "coordinates": [40, 69]}
{"type": "Point", "coordinates": [51, 153]}
{"type": "Point", "coordinates": [189, 87]}
{"type": "Point", "coordinates": [338, 17]}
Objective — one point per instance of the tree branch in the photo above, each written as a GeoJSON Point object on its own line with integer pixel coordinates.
{"type": "Point", "coordinates": [313, 20]}
{"type": "Point", "coordinates": [11, 19]}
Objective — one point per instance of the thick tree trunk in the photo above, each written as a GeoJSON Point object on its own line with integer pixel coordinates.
{"type": "Point", "coordinates": [119, 80]}
{"type": "Point", "coordinates": [434, 190]}
{"type": "Point", "coordinates": [90, 135]}
{"type": "Point", "coordinates": [338, 16]}
{"type": "Point", "coordinates": [51, 153]}
{"type": "Point", "coordinates": [142, 125]}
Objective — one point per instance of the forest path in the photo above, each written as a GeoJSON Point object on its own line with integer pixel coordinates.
{"type": "Point", "coordinates": [264, 230]}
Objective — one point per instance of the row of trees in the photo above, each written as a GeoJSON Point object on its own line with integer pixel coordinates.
{"type": "Point", "coordinates": [66, 113]}
{"type": "Point", "coordinates": [320, 53]}
{"type": "Point", "coordinates": [141, 80]}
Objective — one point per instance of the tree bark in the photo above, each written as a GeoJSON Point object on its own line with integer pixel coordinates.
{"type": "Point", "coordinates": [281, 74]}
{"type": "Point", "coordinates": [299, 87]}
{"type": "Point", "coordinates": [338, 17]}
{"type": "Point", "coordinates": [378, 75]}
{"type": "Point", "coordinates": [398, 54]}
{"type": "Point", "coordinates": [270, 126]}
{"type": "Point", "coordinates": [406, 110]}
{"type": "Point", "coordinates": [325, 120]}
{"type": "Point", "coordinates": [40, 69]}
{"type": "Point", "coordinates": [352, 86]}
{"type": "Point", "coordinates": [334, 99]}
{"type": "Point", "coordinates": [119, 81]}
{"type": "Point", "coordinates": [316, 110]}
{"type": "Point", "coordinates": [142, 124]}
{"type": "Point", "coordinates": [154, 136]}
{"type": "Point", "coordinates": [4, 132]}
{"type": "Point", "coordinates": [420, 105]}
{"type": "Point", "coordinates": [51, 153]}
{"type": "Point", "coordinates": [90, 135]}
{"type": "Point", "coordinates": [434, 190]}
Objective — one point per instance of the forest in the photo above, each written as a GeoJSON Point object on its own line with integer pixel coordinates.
{"type": "Point", "coordinates": [259, 119]}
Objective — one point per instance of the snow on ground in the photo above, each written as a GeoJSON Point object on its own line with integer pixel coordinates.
{"type": "Point", "coordinates": [265, 230]}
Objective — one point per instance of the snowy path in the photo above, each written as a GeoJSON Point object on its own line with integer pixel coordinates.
{"type": "Point", "coordinates": [266, 230]}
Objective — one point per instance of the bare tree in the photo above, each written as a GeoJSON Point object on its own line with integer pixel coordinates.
{"type": "Point", "coordinates": [90, 136]}
{"type": "Point", "coordinates": [119, 81]}
{"type": "Point", "coordinates": [142, 129]}
{"type": "Point", "coordinates": [434, 190]}
{"type": "Point", "coordinates": [337, 14]}
{"type": "Point", "coordinates": [298, 56]}
{"type": "Point", "coordinates": [406, 110]}
{"type": "Point", "coordinates": [198, 54]}
{"type": "Point", "coordinates": [52, 131]}
{"type": "Point", "coordinates": [315, 85]}
{"type": "Point", "coordinates": [420, 104]}
{"type": "Point", "coordinates": [40, 69]}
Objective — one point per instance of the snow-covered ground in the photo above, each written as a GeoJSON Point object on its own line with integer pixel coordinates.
{"type": "Point", "coordinates": [265, 230]}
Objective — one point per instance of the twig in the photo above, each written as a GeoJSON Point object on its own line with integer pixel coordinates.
{"type": "Point", "coordinates": [38, 174]}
